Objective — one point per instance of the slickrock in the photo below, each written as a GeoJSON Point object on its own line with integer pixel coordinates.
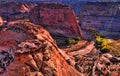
{"type": "Point", "coordinates": [29, 50]}
{"type": "Point", "coordinates": [58, 19]}
{"type": "Point", "coordinates": [81, 44]}
{"type": "Point", "coordinates": [83, 51]}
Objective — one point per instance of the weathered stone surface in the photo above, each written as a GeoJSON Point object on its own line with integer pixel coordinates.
{"type": "Point", "coordinates": [58, 19]}
{"type": "Point", "coordinates": [33, 54]}
{"type": "Point", "coordinates": [97, 65]}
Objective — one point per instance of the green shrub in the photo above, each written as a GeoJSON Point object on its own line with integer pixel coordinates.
{"type": "Point", "coordinates": [70, 41]}
{"type": "Point", "coordinates": [102, 44]}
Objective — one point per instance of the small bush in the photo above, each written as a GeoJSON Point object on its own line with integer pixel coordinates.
{"type": "Point", "coordinates": [70, 41]}
{"type": "Point", "coordinates": [102, 44]}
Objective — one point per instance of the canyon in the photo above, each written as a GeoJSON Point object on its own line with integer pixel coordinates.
{"type": "Point", "coordinates": [31, 35]}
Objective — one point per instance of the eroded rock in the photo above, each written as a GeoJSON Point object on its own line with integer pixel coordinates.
{"type": "Point", "coordinates": [33, 54]}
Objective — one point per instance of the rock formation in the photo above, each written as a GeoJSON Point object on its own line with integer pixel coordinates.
{"type": "Point", "coordinates": [58, 19]}
{"type": "Point", "coordinates": [29, 50]}
{"type": "Point", "coordinates": [1, 21]}
{"type": "Point", "coordinates": [11, 11]}
{"type": "Point", "coordinates": [104, 17]}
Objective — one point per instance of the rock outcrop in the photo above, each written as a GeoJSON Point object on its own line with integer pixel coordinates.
{"type": "Point", "coordinates": [11, 11]}
{"type": "Point", "coordinates": [29, 50]}
{"type": "Point", "coordinates": [1, 21]}
{"type": "Point", "coordinates": [104, 17]}
{"type": "Point", "coordinates": [58, 19]}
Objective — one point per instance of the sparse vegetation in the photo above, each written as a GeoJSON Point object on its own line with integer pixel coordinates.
{"type": "Point", "coordinates": [94, 32]}
{"type": "Point", "coordinates": [100, 43]}
{"type": "Point", "coordinates": [70, 41]}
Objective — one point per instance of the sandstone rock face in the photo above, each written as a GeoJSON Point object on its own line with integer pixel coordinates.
{"type": "Point", "coordinates": [104, 17]}
{"type": "Point", "coordinates": [1, 21]}
{"type": "Point", "coordinates": [13, 11]}
{"type": "Point", "coordinates": [29, 50]}
{"type": "Point", "coordinates": [58, 19]}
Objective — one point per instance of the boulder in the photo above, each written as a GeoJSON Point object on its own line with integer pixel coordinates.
{"type": "Point", "coordinates": [58, 19]}
{"type": "Point", "coordinates": [29, 50]}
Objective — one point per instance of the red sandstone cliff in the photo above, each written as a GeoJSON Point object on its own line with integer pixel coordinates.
{"type": "Point", "coordinates": [58, 19]}
{"type": "Point", "coordinates": [28, 50]}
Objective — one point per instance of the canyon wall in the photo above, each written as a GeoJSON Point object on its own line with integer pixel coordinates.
{"type": "Point", "coordinates": [104, 17]}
